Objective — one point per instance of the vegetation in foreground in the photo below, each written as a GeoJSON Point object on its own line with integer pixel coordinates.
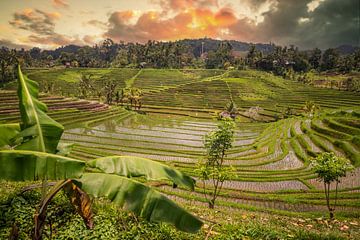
{"type": "Point", "coordinates": [111, 222]}
{"type": "Point", "coordinates": [32, 153]}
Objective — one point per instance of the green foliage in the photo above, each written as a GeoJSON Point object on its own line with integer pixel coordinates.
{"type": "Point", "coordinates": [220, 58]}
{"type": "Point", "coordinates": [311, 108]}
{"type": "Point", "coordinates": [330, 168]}
{"type": "Point", "coordinates": [140, 167]}
{"type": "Point", "coordinates": [38, 132]}
{"type": "Point", "coordinates": [330, 59]}
{"type": "Point", "coordinates": [138, 198]}
{"type": "Point", "coordinates": [217, 143]}
{"type": "Point", "coordinates": [110, 222]}
{"type": "Point", "coordinates": [86, 86]}
{"type": "Point", "coordinates": [23, 165]}
{"type": "Point", "coordinates": [8, 133]}
{"type": "Point", "coordinates": [39, 138]}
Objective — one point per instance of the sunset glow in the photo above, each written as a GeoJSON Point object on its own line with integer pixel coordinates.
{"type": "Point", "coordinates": [49, 24]}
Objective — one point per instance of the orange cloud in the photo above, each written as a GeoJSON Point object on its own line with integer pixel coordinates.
{"type": "Point", "coordinates": [179, 5]}
{"type": "Point", "coordinates": [60, 3]}
{"type": "Point", "coordinates": [192, 23]}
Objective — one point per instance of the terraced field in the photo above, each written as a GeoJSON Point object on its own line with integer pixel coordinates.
{"type": "Point", "coordinates": [271, 158]}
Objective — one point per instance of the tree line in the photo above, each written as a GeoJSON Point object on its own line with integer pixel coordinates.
{"type": "Point", "coordinates": [198, 53]}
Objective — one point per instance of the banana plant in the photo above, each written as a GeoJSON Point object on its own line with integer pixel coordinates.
{"type": "Point", "coordinates": [28, 152]}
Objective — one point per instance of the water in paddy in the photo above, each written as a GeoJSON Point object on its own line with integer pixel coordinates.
{"type": "Point", "coordinates": [179, 140]}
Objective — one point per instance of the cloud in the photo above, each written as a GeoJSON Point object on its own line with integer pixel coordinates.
{"type": "Point", "coordinates": [193, 23]}
{"type": "Point", "coordinates": [60, 3]}
{"type": "Point", "coordinates": [89, 39]}
{"type": "Point", "coordinates": [179, 5]}
{"type": "Point", "coordinates": [41, 26]}
{"type": "Point", "coordinates": [330, 23]}
{"type": "Point", "coordinates": [35, 20]}
{"type": "Point", "coordinates": [12, 45]}
{"type": "Point", "coordinates": [54, 40]}
{"type": "Point", "coordinates": [97, 23]}
{"type": "Point", "coordinates": [307, 23]}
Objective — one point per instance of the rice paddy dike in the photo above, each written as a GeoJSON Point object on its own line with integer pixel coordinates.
{"type": "Point", "coordinates": [270, 154]}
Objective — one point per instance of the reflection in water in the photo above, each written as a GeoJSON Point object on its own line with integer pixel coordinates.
{"type": "Point", "coordinates": [140, 121]}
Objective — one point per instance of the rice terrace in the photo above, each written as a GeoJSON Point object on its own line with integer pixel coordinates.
{"type": "Point", "coordinates": [195, 138]}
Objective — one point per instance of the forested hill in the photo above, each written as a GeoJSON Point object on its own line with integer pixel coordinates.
{"type": "Point", "coordinates": [194, 46]}
{"type": "Point", "coordinates": [212, 44]}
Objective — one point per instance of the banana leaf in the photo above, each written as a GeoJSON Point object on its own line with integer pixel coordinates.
{"type": "Point", "coordinates": [130, 166]}
{"type": "Point", "coordinates": [7, 134]}
{"type": "Point", "coordinates": [39, 132]}
{"type": "Point", "coordinates": [22, 165]}
{"type": "Point", "coordinates": [138, 198]}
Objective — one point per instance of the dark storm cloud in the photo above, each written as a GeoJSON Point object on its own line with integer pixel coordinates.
{"type": "Point", "coordinates": [281, 23]}
{"type": "Point", "coordinates": [331, 24]}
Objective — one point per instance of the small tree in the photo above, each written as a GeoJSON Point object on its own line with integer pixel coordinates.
{"type": "Point", "coordinates": [330, 168]}
{"type": "Point", "coordinates": [86, 86]}
{"type": "Point", "coordinates": [212, 169]}
{"type": "Point", "coordinates": [231, 108]}
{"type": "Point", "coordinates": [109, 90]}
{"type": "Point", "coordinates": [311, 108]}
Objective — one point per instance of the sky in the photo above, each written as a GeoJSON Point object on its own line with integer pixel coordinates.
{"type": "Point", "coordinates": [305, 23]}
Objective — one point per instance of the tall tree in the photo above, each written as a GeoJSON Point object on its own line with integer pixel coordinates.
{"type": "Point", "coordinates": [330, 59]}
{"type": "Point", "coordinates": [315, 58]}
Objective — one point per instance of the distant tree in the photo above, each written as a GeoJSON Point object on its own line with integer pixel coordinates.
{"type": "Point", "coordinates": [300, 64]}
{"type": "Point", "coordinates": [346, 63]}
{"type": "Point", "coordinates": [218, 58]}
{"type": "Point", "coordinates": [213, 170]}
{"type": "Point", "coordinates": [252, 56]}
{"type": "Point", "coordinates": [35, 53]}
{"type": "Point", "coordinates": [135, 96]}
{"type": "Point", "coordinates": [356, 63]}
{"type": "Point", "coordinates": [231, 108]}
{"type": "Point", "coordinates": [211, 60]}
{"type": "Point", "coordinates": [86, 86]}
{"type": "Point", "coordinates": [8, 59]}
{"type": "Point", "coordinates": [315, 58]}
{"type": "Point", "coordinates": [330, 59]}
{"type": "Point", "coordinates": [330, 168]}
{"type": "Point", "coordinates": [109, 91]}
{"type": "Point", "coordinates": [121, 59]}
{"type": "Point", "coordinates": [310, 108]}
